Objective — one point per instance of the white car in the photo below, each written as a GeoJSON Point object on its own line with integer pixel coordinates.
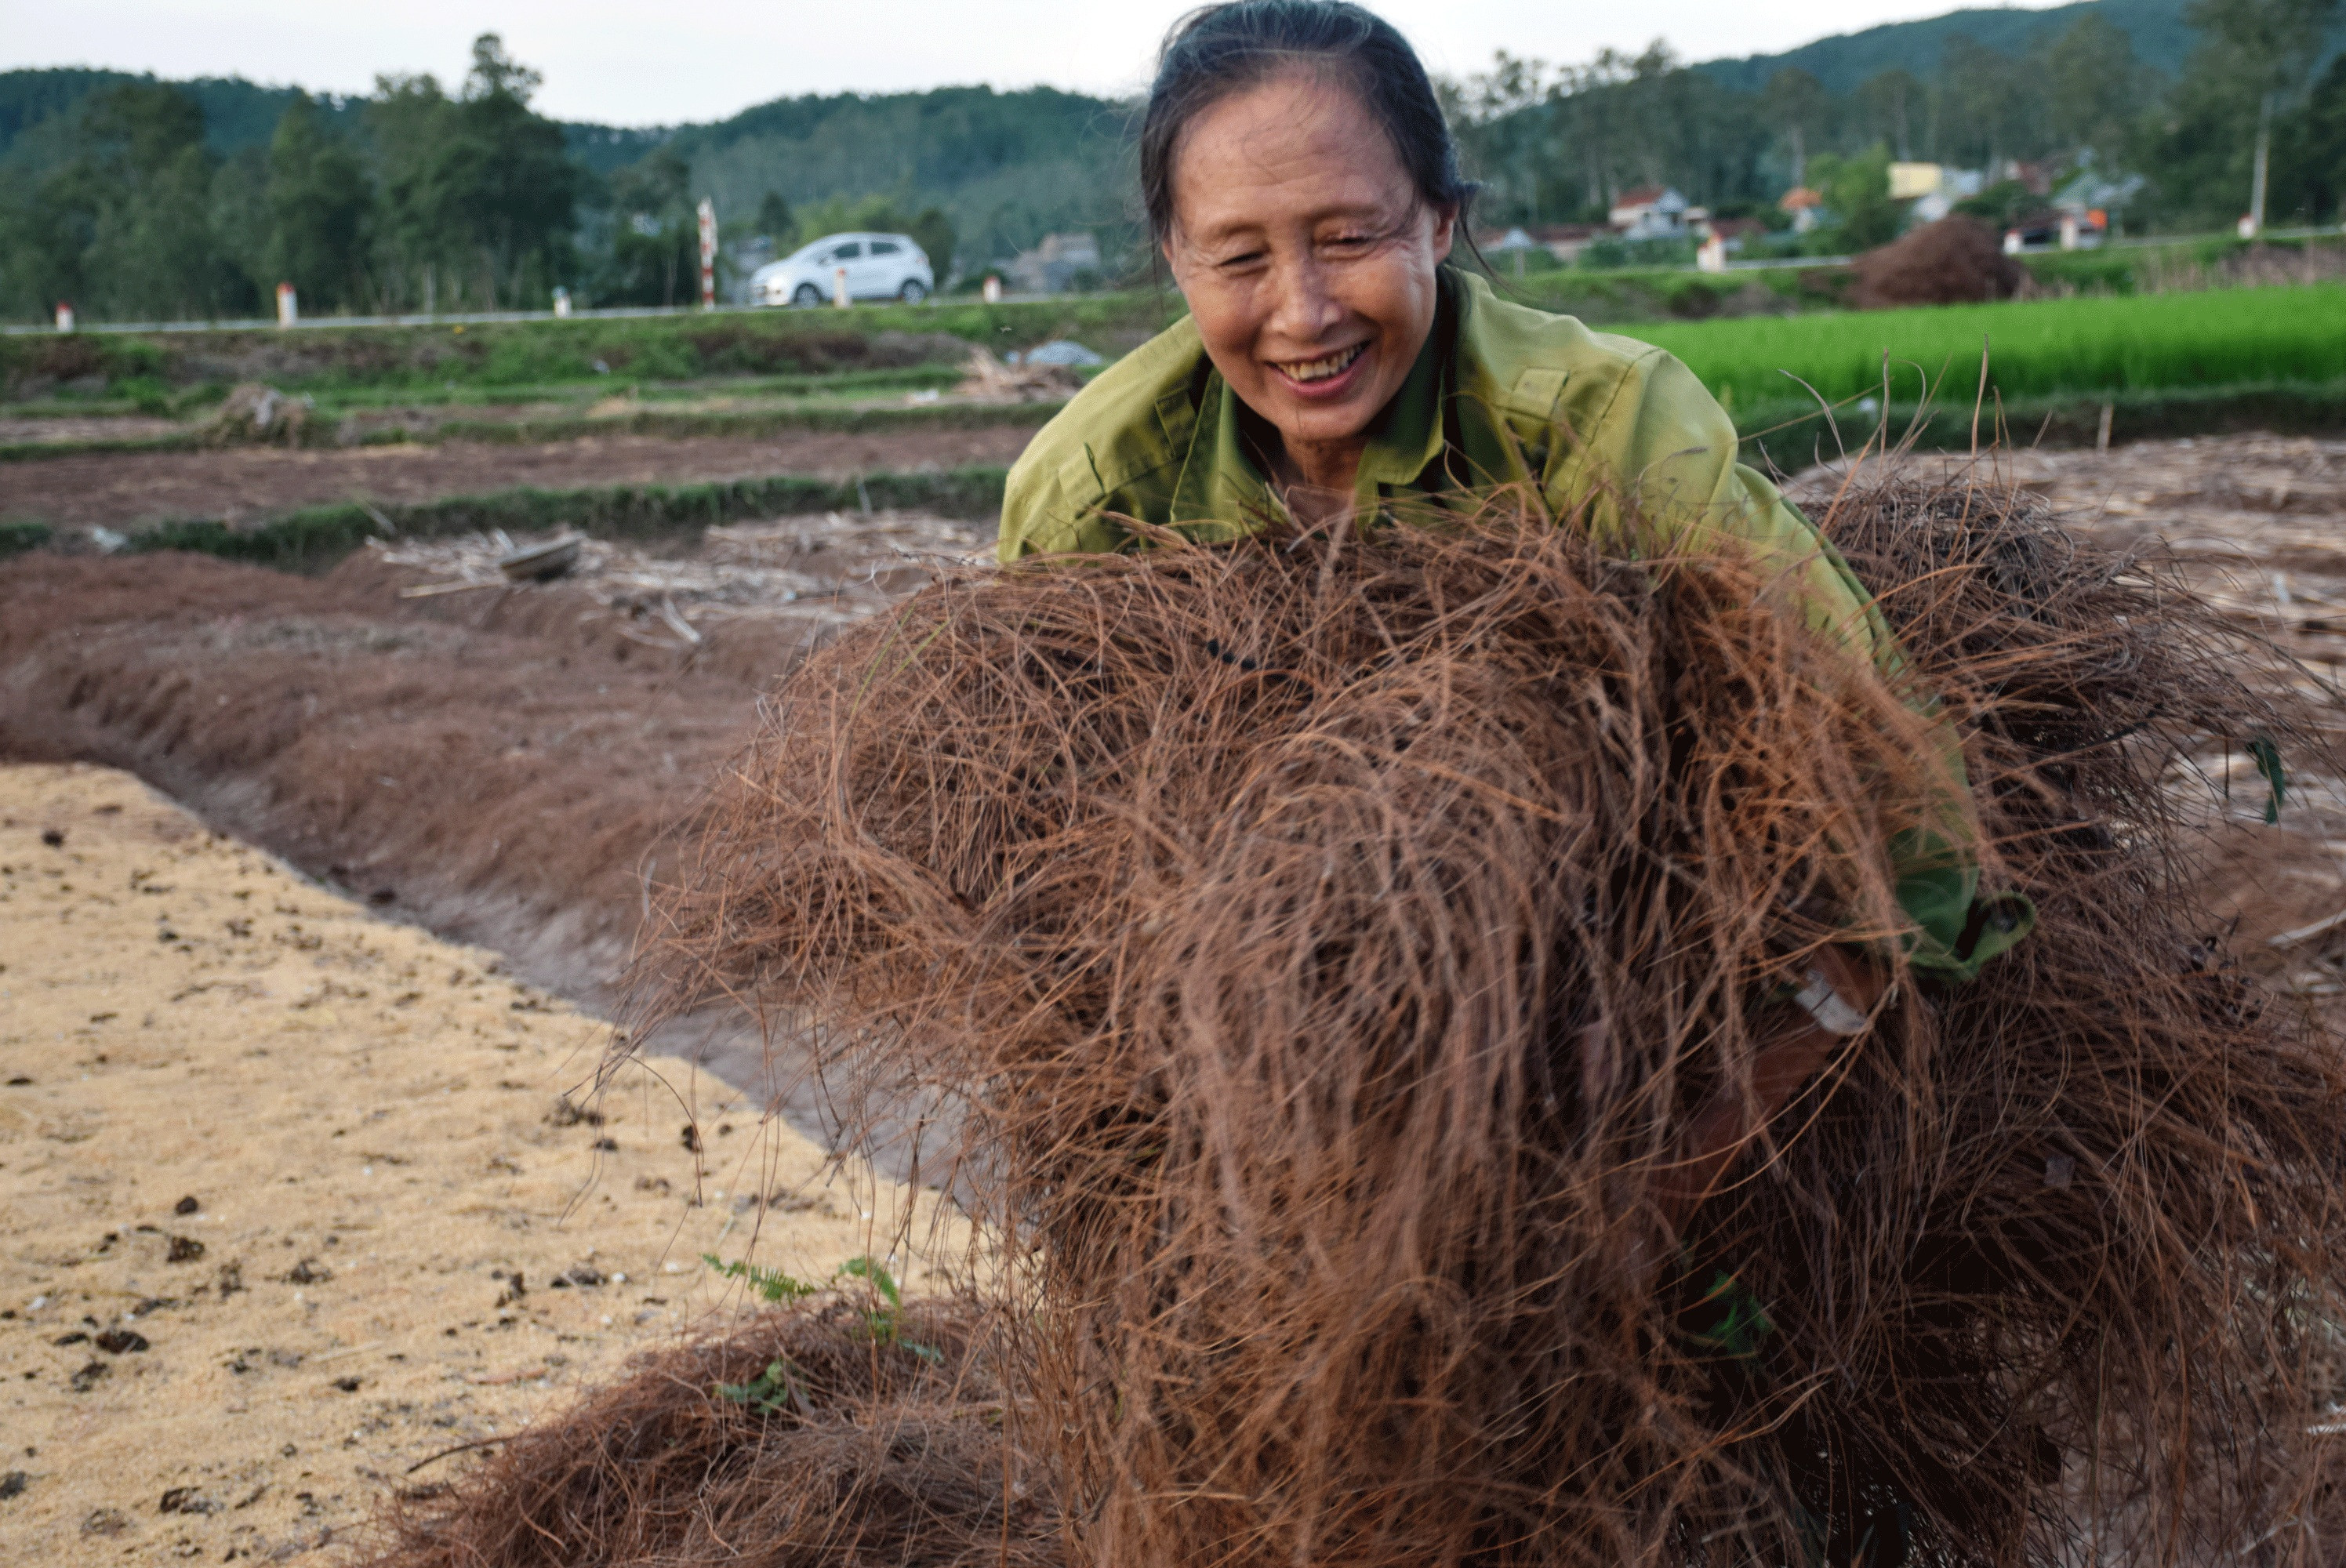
{"type": "Point", "coordinates": [878, 267]}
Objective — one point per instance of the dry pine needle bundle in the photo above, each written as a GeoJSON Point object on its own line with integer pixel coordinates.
{"type": "Point", "coordinates": [1317, 942]}
{"type": "Point", "coordinates": [795, 1440]}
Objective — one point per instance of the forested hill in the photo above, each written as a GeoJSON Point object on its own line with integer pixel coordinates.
{"type": "Point", "coordinates": [2162, 39]}
{"type": "Point", "coordinates": [1007, 167]}
{"type": "Point", "coordinates": [935, 142]}
{"type": "Point", "coordinates": [238, 113]}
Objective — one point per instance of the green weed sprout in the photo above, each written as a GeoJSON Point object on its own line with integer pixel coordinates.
{"type": "Point", "coordinates": [771, 1391]}
{"type": "Point", "coordinates": [770, 1283]}
{"type": "Point", "coordinates": [886, 1322]}
{"type": "Point", "coordinates": [884, 1318]}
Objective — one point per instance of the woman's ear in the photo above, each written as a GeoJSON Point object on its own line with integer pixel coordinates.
{"type": "Point", "coordinates": [1445, 228]}
{"type": "Point", "coordinates": [1175, 254]}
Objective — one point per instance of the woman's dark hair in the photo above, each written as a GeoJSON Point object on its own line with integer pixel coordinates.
{"type": "Point", "coordinates": [1223, 49]}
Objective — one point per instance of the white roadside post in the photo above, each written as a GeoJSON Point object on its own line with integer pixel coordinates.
{"type": "Point", "coordinates": [289, 308]}
{"type": "Point", "coordinates": [1711, 258]}
{"type": "Point", "coordinates": [838, 287]}
{"type": "Point", "coordinates": [561, 301]}
{"type": "Point", "coordinates": [993, 290]}
{"type": "Point", "coordinates": [708, 254]}
{"type": "Point", "coordinates": [65, 316]}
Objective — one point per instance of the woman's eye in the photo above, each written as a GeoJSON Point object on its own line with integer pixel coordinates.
{"type": "Point", "coordinates": [1244, 259]}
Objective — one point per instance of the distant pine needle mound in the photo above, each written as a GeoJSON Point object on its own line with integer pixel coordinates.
{"type": "Point", "coordinates": [1318, 942]}
{"type": "Point", "coordinates": [1956, 260]}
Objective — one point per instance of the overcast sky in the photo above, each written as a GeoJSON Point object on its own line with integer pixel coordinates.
{"type": "Point", "coordinates": [629, 63]}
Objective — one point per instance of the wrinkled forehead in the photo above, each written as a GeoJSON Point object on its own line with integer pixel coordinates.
{"type": "Point", "coordinates": [1299, 144]}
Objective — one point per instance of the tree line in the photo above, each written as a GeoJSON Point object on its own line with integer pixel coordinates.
{"type": "Point", "coordinates": [421, 198]}
{"type": "Point", "coordinates": [454, 200]}
{"type": "Point", "coordinates": [1559, 144]}
{"type": "Point", "coordinates": [426, 200]}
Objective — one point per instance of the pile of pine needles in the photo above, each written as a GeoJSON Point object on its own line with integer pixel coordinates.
{"type": "Point", "coordinates": [1310, 950]}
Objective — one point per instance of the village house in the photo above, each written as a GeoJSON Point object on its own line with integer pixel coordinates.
{"type": "Point", "coordinates": [1806, 205]}
{"type": "Point", "coordinates": [1650, 212]}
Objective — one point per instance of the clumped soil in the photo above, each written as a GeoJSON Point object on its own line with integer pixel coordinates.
{"type": "Point", "coordinates": [120, 490]}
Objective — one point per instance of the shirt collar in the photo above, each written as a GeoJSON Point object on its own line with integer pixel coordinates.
{"type": "Point", "coordinates": [1221, 483]}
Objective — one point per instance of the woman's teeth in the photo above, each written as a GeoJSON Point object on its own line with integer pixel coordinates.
{"type": "Point", "coordinates": [1320, 370]}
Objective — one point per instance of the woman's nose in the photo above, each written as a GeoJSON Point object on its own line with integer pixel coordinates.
{"type": "Point", "coordinates": [1303, 306]}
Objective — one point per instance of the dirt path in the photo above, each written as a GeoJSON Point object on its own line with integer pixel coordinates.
{"type": "Point", "coordinates": [117, 489]}
{"type": "Point", "coordinates": [290, 1202]}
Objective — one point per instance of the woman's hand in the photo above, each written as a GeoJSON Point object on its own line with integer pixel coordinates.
{"type": "Point", "coordinates": [1844, 987]}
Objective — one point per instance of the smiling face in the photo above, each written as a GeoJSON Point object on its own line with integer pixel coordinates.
{"type": "Point", "coordinates": [1307, 257]}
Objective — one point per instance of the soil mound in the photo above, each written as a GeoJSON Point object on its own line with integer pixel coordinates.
{"type": "Point", "coordinates": [1319, 941]}
{"type": "Point", "coordinates": [1954, 261]}
{"type": "Point", "coordinates": [244, 484]}
{"type": "Point", "coordinates": [497, 764]}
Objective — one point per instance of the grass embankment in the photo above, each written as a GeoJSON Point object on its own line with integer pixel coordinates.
{"type": "Point", "coordinates": [141, 368]}
{"type": "Point", "coordinates": [744, 423]}
{"type": "Point", "coordinates": [558, 423]}
{"type": "Point", "coordinates": [844, 383]}
{"type": "Point", "coordinates": [1617, 296]}
{"type": "Point", "coordinates": [1791, 437]}
{"type": "Point", "coordinates": [318, 537]}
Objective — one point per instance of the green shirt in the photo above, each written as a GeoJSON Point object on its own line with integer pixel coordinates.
{"type": "Point", "coordinates": [1501, 394]}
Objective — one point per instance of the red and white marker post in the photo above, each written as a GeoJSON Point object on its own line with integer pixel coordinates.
{"type": "Point", "coordinates": [708, 254]}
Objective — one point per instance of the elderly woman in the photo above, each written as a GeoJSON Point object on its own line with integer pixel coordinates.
{"type": "Point", "coordinates": [1304, 189]}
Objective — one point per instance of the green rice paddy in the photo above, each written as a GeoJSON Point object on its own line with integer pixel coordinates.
{"type": "Point", "coordinates": [2034, 349]}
